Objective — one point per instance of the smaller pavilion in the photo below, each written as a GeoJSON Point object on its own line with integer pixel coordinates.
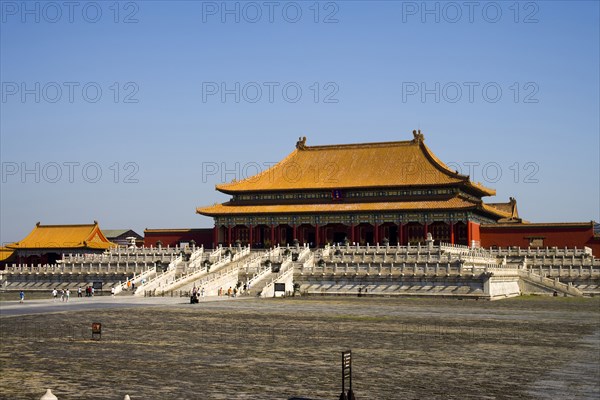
{"type": "Point", "coordinates": [46, 243]}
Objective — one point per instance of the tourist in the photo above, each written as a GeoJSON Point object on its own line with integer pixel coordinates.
{"type": "Point", "coordinates": [235, 292]}
{"type": "Point", "coordinates": [244, 289]}
{"type": "Point", "coordinates": [62, 294]}
{"type": "Point", "coordinates": [112, 291]}
{"type": "Point", "coordinates": [92, 290]}
{"type": "Point", "coordinates": [133, 286]}
{"type": "Point", "coordinates": [21, 296]}
{"type": "Point", "coordinates": [54, 294]}
{"type": "Point", "coordinates": [229, 292]}
{"type": "Point", "coordinates": [79, 292]}
{"type": "Point", "coordinates": [67, 295]}
{"type": "Point", "coordinates": [202, 292]}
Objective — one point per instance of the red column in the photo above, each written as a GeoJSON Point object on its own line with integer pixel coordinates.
{"type": "Point", "coordinates": [352, 233]}
{"type": "Point", "coordinates": [425, 230]}
{"type": "Point", "coordinates": [250, 229]}
{"type": "Point", "coordinates": [229, 233]}
{"type": "Point", "coordinates": [272, 235]}
{"type": "Point", "coordinates": [469, 235]}
{"type": "Point", "coordinates": [376, 233]}
{"type": "Point", "coordinates": [215, 236]}
{"type": "Point", "coordinates": [451, 232]}
{"type": "Point", "coordinates": [317, 235]}
{"type": "Point", "coordinates": [401, 234]}
{"type": "Point", "coordinates": [295, 232]}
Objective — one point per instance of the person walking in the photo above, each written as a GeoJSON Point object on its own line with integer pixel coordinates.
{"type": "Point", "coordinates": [112, 291]}
{"type": "Point", "coordinates": [202, 292]}
{"type": "Point", "coordinates": [62, 294]}
{"type": "Point", "coordinates": [79, 294]}
{"type": "Point", "coordinates": [54, 295]}
{"type": "Point", "coordinates": [21, 296]}
{"type": "Point", "coordinates": [67, 295]}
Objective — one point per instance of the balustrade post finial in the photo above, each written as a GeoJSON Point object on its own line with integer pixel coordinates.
{"type": "Point", "coordinates": [48, 395]}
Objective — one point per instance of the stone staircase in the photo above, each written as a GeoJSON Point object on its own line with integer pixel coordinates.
{"type": "Point", "coordinates": [258, 283]}
{"type": "Point", "coordinates": [203, 275]}
{"type": "Point", "coordinates": [285, 275]}
{"type": "Point", "coordinates": [161, 279]}
{"type": "Point", "coordinates": [547, 284]}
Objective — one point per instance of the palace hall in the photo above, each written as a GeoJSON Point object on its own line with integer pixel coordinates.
{"type": "Point", "coordinates": [387, 192]}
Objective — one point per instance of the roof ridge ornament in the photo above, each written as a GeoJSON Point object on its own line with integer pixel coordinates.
{"type": "Point", "coordinates": [301, 143]}
{"type": "Point", "coordinates": [418, 136]}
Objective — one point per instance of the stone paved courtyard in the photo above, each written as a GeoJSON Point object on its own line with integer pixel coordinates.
{"type": "Point", "coordinates": [522, 348]}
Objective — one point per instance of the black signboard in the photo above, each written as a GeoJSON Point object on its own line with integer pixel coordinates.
{"type": "Point", "coordinates": [280, 287]}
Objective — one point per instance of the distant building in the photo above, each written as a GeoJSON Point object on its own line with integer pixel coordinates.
{"type": "Point", "coordinates": [178, 237]}
{"type": "Point", "coordinates": [549, 234]}
{"type": "Point", "coordinates": [46, 243]}
{"type": "Point", "coordinates": [120, 236]}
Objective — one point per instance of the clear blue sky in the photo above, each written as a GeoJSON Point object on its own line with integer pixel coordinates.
{"type": "Point", "coordinates": [367, 71]}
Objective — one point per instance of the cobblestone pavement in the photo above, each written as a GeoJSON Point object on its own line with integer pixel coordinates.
{"type": "Point", "coordinates": [164, 348]}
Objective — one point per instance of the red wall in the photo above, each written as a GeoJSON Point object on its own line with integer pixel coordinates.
{"type": "Point", "coordinates": [558, 235]}
{"type": "Point", "coordinates": [474, 232]}
{"type": "Point", "coordinates": [202, 236]}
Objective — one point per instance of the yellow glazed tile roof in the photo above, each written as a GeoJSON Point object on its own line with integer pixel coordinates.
{"type": "Point", "coordinates": [64, 236]}
{"type": "Point", "coordinates": [386, 164]}
{"type": "Point", "coordinates": [5, 253]}
{"type": "Point", "coordinates": [453, 203]}
{"type": "Point", "coordinates": [509, 209]}
{"type": "Point", "coordinates": [496, 211]}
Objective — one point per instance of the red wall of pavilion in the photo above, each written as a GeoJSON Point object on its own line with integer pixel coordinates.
{"type": "Point", "coordinates": [554, 235]}
{"type": "Point", "coordinates": [202, 236]}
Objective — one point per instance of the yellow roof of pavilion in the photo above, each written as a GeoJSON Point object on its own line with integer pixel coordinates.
{"type": "Point", "coordinates": [354, 166]}
{"type": "Point", "coordinates": [64, 236]}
